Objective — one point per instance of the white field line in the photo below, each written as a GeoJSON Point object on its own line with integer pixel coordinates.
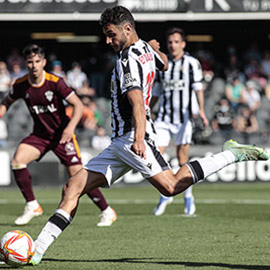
{"type": "Point", "coordinates": [149, 201]}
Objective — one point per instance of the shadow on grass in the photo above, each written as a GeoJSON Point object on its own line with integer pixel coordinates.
{"type": "Point", "coordinates": [158, 262]}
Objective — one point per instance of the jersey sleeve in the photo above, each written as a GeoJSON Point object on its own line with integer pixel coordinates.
{"type": "Point", "coordinates": [63, 89]}
{"type": "Point", "coordinates": [14, 92]}
{"type": "Point", "coordinates": [159, 62]}
{"type": "Point", "coordinates": [197, 75]}
{"type": "Point", "coordinates": [132, 72]}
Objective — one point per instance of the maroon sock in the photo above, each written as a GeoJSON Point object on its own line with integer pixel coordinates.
{"type": "Point", "coordinates": [98, 198]}
{"type": "Point", "coordinates": [24, 181]}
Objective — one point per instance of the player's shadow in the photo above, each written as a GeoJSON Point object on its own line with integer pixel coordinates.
{"type": "Point", "coordinates": [157, 261]}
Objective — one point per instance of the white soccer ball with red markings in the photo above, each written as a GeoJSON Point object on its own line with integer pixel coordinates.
{"type": "Point", "coordinates": [17, 248]}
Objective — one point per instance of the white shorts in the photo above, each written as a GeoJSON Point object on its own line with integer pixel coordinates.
{"type": "Point", "coordinates": [118, 158]}
{"type": "Point", "coordinates": [182, 133]}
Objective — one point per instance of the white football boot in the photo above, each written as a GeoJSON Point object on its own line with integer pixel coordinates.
{"type": "Point", "coordinates": [29, 213]}
{"type": "Point", "coordinates": [190, 207]}
{"type": "Point", "coordinates": [108, 216]}
{"type": "Point", "coordinates": [36, 259]}
{"type": "Point", "coordinates": [161, 207]}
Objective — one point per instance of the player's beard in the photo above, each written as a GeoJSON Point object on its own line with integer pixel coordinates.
{"type": "Point", "coordinates": [122, 43]}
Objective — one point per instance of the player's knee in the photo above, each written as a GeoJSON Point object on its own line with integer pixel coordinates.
{"type": "Point", "coordinates": [71, 190]}
{"type": "Point", "coordinates": [168, 190]}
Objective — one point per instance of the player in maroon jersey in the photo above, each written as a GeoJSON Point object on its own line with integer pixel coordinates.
{"type": "Point", "coordinates": [44, 94]}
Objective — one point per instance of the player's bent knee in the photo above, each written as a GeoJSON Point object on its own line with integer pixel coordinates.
{"type": "Point", "coordinates": [72, 189]}
{"type": "Point", "coordinates": [168, 190]}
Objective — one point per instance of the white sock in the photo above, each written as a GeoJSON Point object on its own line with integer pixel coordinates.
{"type": "Point", "coordinates": [33, 204]}
{"type": "Point", "coordinates": [46, 237]}
{"type": "Point", "coordinates": [216, 162]}
{"type": "Point", "coordinates": [162, 196]}
{"type": "Point", "coordinates": [188, 192]}
{"type": "Point", "coordinates": [108, 209]}
{"type": "Point", "coordinates": [51, 231]}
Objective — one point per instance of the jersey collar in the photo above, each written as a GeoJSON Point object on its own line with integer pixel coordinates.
{"type": "Point", "coordinates": [41, 83]}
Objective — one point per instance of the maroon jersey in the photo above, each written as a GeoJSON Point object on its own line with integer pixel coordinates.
{"type": "Point", "coordinates": [45, 104]}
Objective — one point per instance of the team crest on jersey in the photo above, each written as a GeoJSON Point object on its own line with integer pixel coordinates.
{"type": "Point", "coordinates": [49, 95]}
{"type": "Point", "coordinates": [70, 148]}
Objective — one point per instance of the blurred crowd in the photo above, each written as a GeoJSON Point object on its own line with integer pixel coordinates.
{"type": "Point", "coordinates": [237, 96]}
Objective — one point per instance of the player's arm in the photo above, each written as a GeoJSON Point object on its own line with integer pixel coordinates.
{"type": "Point", "coordinates": [76, 116]}
{"type": "Point", "coordinates": [5, 104]}
{"type": "Point", "coordinates": [157, 91]}
{"type": "Point", "coordinates": [156, 47]}
{"type": "Point", "coordinates": [200, 97]}
{"type": "Point", "coordinates": [135, 98]}
{"type": "Point", "coordinates": [153, 101]}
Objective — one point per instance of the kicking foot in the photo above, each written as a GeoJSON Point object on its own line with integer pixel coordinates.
{"type": "Point", "coordinates": [36, 259]}
{"type": "Point", "coordinates": [245, 152]}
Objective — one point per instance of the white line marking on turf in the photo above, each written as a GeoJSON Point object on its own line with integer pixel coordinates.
{"type": "Point", "coordinates": [148, 201]}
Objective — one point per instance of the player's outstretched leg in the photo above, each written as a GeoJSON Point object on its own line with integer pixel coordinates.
{"type": "Point", "coordinates": [232, 152]}
{"type": "Point", "coordinates": [161, 207]}
{"type": "Point", "coordinates": [244, 152]}
{"type": "Point", "coordinates": [79, 184]}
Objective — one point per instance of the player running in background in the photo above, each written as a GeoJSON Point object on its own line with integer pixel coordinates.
{"type": "Point", "coordinates": [44, 94]}
{"type": "Point", "coordinates": [176, 88]}
{"type": "Point", "coordinates": [133, 136]}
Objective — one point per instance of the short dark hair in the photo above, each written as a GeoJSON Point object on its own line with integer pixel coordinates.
{"type": "Point", "coordinates": [116, 15]}
{"type": "Point", "coordinates": [174, 30]}
{"type": "Point", "coordinates": [33, 49]}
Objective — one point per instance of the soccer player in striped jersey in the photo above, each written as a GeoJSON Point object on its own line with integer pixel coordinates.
{"type": "Point", "coordinates": [43, 94]}
{"type": "Point", "coordinates": [133, 142]}
{"type": "Point", "coordinates": [176, 88]}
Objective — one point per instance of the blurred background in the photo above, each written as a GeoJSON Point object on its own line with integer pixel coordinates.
{"type": "Point", "coordinates": [231, 39]}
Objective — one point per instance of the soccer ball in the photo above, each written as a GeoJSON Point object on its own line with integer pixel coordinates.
{"type": "Point", "coordinates": [17, 248]}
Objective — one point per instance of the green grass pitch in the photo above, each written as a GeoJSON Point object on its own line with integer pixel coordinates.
{"type": "Point", "coordinates": [230, 231]}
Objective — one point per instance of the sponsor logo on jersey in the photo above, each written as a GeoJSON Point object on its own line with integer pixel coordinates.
{"type": "Point", "coordinates": [37, 109]}
{"type": "Point", "coordinates": [173, 85]}
{"type": "Point", "coordinates": [49, 95]}
{"type": "Point", "coordinates": [129, 81]}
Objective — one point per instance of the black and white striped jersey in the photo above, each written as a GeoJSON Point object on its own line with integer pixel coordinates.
{"type": "Point", "coordinates": [134, 69]}
{"type": "Point", "coordinates": [175, 86]}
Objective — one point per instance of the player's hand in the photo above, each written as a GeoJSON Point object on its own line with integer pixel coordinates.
{"type": "Point", "coordinates": [204, 119]}
{"type": "Point", "coordinates": [67, 135]}
{"type": "Point", "coordinates": [154, 44]}
{"type": "Point", "coordinates": [138, 147]}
